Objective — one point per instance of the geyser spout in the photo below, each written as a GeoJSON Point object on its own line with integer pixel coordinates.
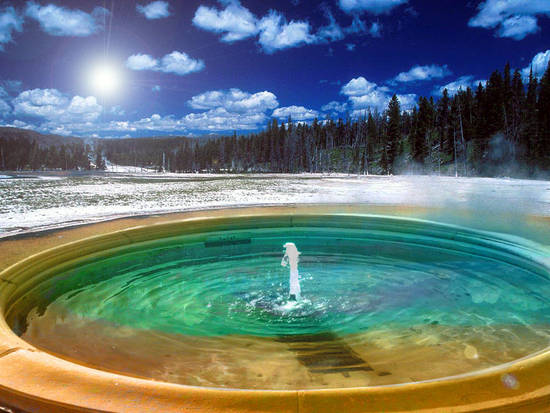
{"type": "Point", "coordinates": [291, 258]}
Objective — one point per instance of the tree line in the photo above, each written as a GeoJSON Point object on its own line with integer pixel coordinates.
{"type": "Point", "coordinates": [18, 154]}
{"type": "Point", "coordinates": [498, 128]}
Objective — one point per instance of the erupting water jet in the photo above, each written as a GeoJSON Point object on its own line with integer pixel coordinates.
{"type": "Point", "coordinates": [291, 258]}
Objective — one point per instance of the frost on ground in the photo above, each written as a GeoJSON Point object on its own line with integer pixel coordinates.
{"type": "Point", "coordinates": [32, 203]}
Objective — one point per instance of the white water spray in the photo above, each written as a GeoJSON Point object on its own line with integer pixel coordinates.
{"type": "Point", "coordinates": [291, 259]}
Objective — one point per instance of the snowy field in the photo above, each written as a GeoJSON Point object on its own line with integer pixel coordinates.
{"type": "Point", "coordinates": [32, 203]}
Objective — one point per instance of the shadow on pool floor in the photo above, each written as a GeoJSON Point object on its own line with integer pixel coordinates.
{"type": "Point", "coordinates": [325, 353]}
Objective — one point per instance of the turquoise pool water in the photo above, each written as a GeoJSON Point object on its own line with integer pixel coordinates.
{"type": "Point", "coordinates": [359, 276]}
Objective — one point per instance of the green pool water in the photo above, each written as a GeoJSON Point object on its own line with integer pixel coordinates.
{"type": "Point", "coordinates": [359, 275]}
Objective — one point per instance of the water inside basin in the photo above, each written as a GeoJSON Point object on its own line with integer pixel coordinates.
{"type": "Point", "coordinates": [383, 301]}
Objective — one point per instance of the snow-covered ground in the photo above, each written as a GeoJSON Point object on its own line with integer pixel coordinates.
{"type": "Point", "coordinates": [126, 169]}
{"type": "Point", "coordinates": [33, 203]}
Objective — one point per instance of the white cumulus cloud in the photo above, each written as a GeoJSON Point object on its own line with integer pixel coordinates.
{"type": "Point", "coordinates": [155, 123]}
{"type": "Point", "coordinates": [20, 124]}
{"type": "Point", "coordinates": [220, 119]}
{"type": "Point", "coordinates": [371, 6]}
{"type": "Point", "coordinates": [518, 27]}
{"type": "Point", "coordinates": [462, 83]}
{"type": "Point", "coordinates": [56, 107]}
{"type": "Point", "coordinates": [46, 103]}
{"type": "Point", "coordinates": [178, 63]}
{"type": "Point", "coordinates": [51, 111]}
{"type": "Point", "coordinates": [235, 100]}
{"type": "Point", "coordinates": [142, 62]}
{"type": "Point", "coordinates": [230, 109]}
{"type": "Point", "coordinates": [155, 10]}
{"type": "Point", "coordinates": [417, 73]}
{"type": "Point", "coordinates": [364, 95]}
{"type": "Point", "coordinates": [84, 109]}
{"type": "Point", "coordinates": [10, 21]}
{"type": "Point", "coordinates": [376, 99]}
{"type": "Point", "coordinates": [276, 33]}
{"type": "Point", "coordinates": [273, 31]}
{"type": "Point", "coordinates": [358, 87]}
{"type": "Point", "coordinates": [60, 21]}
{"type": "Point", "coordinates": [407, 101]}
{"type": "Point", "coordinates": [513, 18]}
{"type": "Point", "coordinates": [297, 113]}
{"type": "Point", "coordinates": [213, 120]}
{"type": "Point", "coordinates": [235, 21]}
{"type": "Point", "coordinates": [539, 65]}
{"type": "Point", "coordinates": [335, 107]}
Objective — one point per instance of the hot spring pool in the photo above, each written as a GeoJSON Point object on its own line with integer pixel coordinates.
{"type": "Point", "coordinates": [385, 301]}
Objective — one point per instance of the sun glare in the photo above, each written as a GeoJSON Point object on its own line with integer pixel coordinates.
{"type": "Point", "coordinates": [105, 79]}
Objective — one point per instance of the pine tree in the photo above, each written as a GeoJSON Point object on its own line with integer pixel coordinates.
{"type": "Point", "coordinates": [443, 106]}
{"type": "Point", "coordinates": [494, 109]}
{"type": "Point", "coordinates": [394, 132]}
{"type": "Point", "coordinates": [421, 132]}
{"type": "Point", "coordinates": [530, 136]}
{"type": "Point", "coordinates": [507, 101]}
{"type": "Point", "coordinates": [481, 130]}
{"type": "Point", "coordinates": [516, 108]}
{"type": "Point", "coordinates": [372, 139]}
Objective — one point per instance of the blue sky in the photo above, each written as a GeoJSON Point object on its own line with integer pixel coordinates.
{"type": "Point", "coordinates": [145, 68]}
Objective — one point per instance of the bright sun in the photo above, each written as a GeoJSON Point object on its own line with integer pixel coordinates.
{"type": "Point", "coordinates": [105, 79]}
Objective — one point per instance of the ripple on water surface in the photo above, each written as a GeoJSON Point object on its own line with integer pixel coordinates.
{"type": "Point", "coordinates": [375, 310]}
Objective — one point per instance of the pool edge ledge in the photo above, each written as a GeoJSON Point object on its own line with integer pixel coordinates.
{"type": "Point", "coordinates": [37, 381]}
{"type": "Point", "coordinates": [40, 382]}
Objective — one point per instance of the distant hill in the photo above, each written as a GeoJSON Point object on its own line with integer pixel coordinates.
{"type": "Point", "coordinates": [42, 139]}
{"type": "Point", "coordinates": [22, 149]}
{"type": "Point", "coordinates": [45, 140]}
